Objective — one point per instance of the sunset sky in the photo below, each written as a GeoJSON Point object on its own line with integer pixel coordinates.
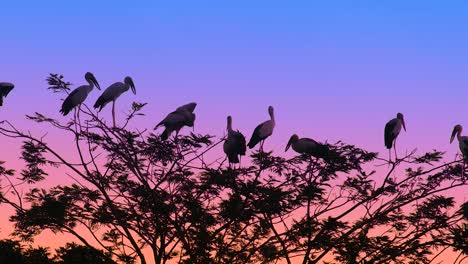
{"type": "Point", "coordinates": [333, 70]}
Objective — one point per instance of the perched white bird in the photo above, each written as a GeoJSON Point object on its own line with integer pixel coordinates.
{"type": "Point", "coordinates": [392, 130]}
{"type": "Point", "coordinates": [234, 146]}
{"type": "Point", "coordinates": [5, 89]}
{"type": "Point", "coordinates": [112, 93]}
{"type": "Point", "coordinates": [462, 140]}
{"type": "Point", "coordinates": [176, 120]}
{"type": "Point", "coordinates": [78, 96]}
{"type": "Point", "coordinates": [263, 130]}
{"type": "Point", "coordinates": [308, 146]}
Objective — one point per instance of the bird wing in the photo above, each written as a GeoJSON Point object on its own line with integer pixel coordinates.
{"type": "Point", "coordinates": [389, 133]}
{"type": "Point", "coordinates": [256, 136]}
{"type": "Point", "coordinates": [187, 107]}
{"type": "Point", "coordinates": [111, 93]}
{"type": "Point", "coordinates": [308, 142]}
{"type": "Point", "coordinates": [5, 88]}
{"type": "Point", "coordinates": [173, 118]}
{"type": "Point", "coordinates": [75, 98]}
{"type": "Point", "coordinates": [240, 143]}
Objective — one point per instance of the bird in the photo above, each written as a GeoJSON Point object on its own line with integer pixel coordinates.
{"type": "Point", "coordinates": [78, 96]}
{"type": "Point", "coordinates": [308, 146]}
{"type": "Point", "coordinates": [234, 145]}
{"type": "Point", "coordinates": [462, 143]}
{"type": "Point", "coordinates": [5, 89]}
{"type": "Point", "coordinates": [263, 130]}
{"type": "Point", "coordinates": [176, 120]}
{"type": "Point", "coordinates": [462, 140]}
{"type": "Point", "coordinates": [392, 130]}
{"type": "Point", "coordinates": [112, 93]}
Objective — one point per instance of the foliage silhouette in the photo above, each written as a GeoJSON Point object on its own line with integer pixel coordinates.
{"type": "Point", "coordinates": [140, 198]}
{"type": "Point", "coordinates": [11, 252]}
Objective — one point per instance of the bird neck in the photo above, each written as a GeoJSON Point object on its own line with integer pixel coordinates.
{"type": "Point", "coordinates": [229, 126]}
{"type": "Point", "coordinates": [90, 86]}
{"type": "Point", "coordinates": [459, 135]}
{"type": "Point", "coordinates": [272, 117]}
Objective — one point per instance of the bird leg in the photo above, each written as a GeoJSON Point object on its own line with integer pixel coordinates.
{"type": "Point", "coordinates": [389, 156]}
{"type": "Point", "coordinates": [261, 145]}
{"type": "Point", "coordinates": [394, 148]}
{"type": "Point", "coordinates": [113, 113]}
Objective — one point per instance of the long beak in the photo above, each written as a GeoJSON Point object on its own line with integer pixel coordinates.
{"type": "Point", "coordinates": [96, 83]}
{"type": "Point", "coordinates": [403, 123]}
{"type": "Point", "coordinates": [288, 145]}
{"type": "Point", "coordinates": [132, 86]}
{"type": "Point", "coordinates": [454, 132]}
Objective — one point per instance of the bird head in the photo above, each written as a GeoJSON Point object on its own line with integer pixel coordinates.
{"type": "Point", "coordinates": [400, 116]}
{"type": "Point", "coordinates": [270, 110]}
{"type": "Point", "coordinates": [294, 138]}
{"type": "Point", "coordinates": [128, 81]}
{"type": "Point", "coordinates": [456, 129]}
{"type": "Point", "coordinates": [90, 78]}
{"type": "Point", "coordinates": [229, 121]}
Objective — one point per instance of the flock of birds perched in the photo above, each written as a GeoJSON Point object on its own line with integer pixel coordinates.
{"type": "Point", "coordinates": [235, 144]}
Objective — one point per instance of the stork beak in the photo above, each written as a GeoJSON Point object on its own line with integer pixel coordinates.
{"type": "Point", "coordinates": [454, 132]}
{"type": "Point", "coordinates": [288, 145]}
{"type": "Point", "coordinates": [93, 79]}
{"type": "Point", "coordinates": [132, 86]}
{"type": "Point", "coordinates": [403, 123]}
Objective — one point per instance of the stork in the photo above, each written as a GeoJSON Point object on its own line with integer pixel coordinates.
{"type": "Point", "coordinates": [5, 89]}
{"type": "Point", "coordinates": [78, 96]}
{"type": "Point", "coordinates": [176, 120]}
{"type": "Point", "coordinates": [234, 146]}
{"type": "Point", "coordinates": [112, 93]}
{"type": "Point", "coordinates": [308, 146]}
{"type": "Point", "coordinates": [392, 130]}
{"type": "Point", "coordinates": [462, 143]}
{"type": "Point", "coordinates": [263, 130]}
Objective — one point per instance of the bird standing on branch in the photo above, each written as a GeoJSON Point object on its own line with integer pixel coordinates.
{"type": "Point", "coordinates": [392, 130]}
{"type": "Point", "coordinates": [112, 93]}
{"type": "Point", "coordinates": [263, 131]}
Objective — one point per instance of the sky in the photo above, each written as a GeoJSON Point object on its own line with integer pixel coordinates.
{"type": "Point", "coordinates": [333, 70]}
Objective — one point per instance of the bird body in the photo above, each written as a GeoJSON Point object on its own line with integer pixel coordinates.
{"type": "Point", "coordinates": [175, 121]}
{"type": "Point", "coordinates": [392, 130]}
{"type": "Point", "coordinates": [5, 89]}
{"type": "Point", "coordinates": [462, 140]}
{"type": "Point", "coordinates": [263, 131]}
{"type": "Point", "coordinates": [308, 146]}
{"type": "Point", "coordinates": [79, 95]}
{"type": "Point", "coordinates": [113, 92]}
{"type": "Point", "coordinates": [234, 146]}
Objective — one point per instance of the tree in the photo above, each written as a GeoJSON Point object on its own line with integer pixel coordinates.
{"type": "Point", "coordinates": [134, 193]}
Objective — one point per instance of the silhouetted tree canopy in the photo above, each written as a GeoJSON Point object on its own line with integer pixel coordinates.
{"type": "Point", "coordinates": [135, 197]}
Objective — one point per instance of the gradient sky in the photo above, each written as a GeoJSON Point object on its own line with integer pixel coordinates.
{"type": "Point", "coordinates": [332, 69]}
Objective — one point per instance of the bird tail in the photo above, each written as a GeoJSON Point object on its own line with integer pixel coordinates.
{"type": "Point", "coordinates": [64, 111]}
{"type": "Point", "coordinates": [253, 141]}
{"type": "Point", "coordinates": [158, 125]}
{"type": "Point", "coordinates": [388, 143]}
{"type": "Point", "coordinates": [1, 100]}
{"type": "Point", "coordinates": [165, 134]}
{"type": "Point", "coordinates": [99, 103]}
{"type": "Point", "coordinates": [233, 158]}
